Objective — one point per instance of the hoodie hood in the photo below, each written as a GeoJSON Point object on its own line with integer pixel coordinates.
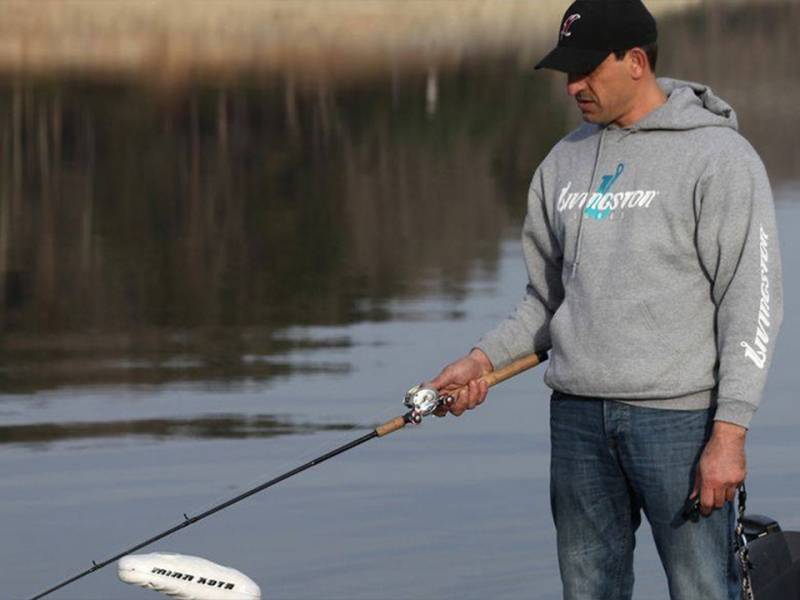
{"type": "Point", "coordinates": [689, 106]}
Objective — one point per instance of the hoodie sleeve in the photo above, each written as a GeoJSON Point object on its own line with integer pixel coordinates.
{"type": "Point", "coordinates": [737, 244]}
{"type": "Point", "coordinates": [527, 328]}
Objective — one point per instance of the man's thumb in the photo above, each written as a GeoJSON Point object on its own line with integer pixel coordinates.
{"type": "Point", "coordinates": [436, 383]}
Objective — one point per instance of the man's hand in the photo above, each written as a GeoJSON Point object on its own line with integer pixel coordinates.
{"type": "Point", "coordinates": [464, 371]}
{"type": "Point", "coordinates": [722, 467]}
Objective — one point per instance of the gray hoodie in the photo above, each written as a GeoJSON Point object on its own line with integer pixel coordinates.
{"type": "Point", "coordinates": [653, 262]}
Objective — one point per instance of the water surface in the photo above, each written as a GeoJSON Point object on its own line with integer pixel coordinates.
{"type": "Point", "coordinates": [205, 285]}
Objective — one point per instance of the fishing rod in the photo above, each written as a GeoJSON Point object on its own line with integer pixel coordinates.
{"type": "Point", "coordinates": [421, 400]}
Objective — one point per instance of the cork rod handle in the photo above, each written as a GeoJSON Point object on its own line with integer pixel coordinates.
{"type": "Point", "coordinates": [390, 426]}
{"type": "Point", "coordinates": [515, 368]}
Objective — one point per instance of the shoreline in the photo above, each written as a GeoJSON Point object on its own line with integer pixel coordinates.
{"type": "Point", "coordinates": [307, 40]}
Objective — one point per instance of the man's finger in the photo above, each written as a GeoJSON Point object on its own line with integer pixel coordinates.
{"type": "Point", "coordinates": [719, 497]}
{"type": "Point", "coordinates": [462, 397]}
{"type": "Point", "coordinates": [474, 394]}
{"type": "Point", "coordinates": [730, 494]}
{"type": "Point", "coordinates": [437, 382]}
{"type": "Point", "coordinates": [706, 500]}
{"type": "Point", "coordinates": [459, 405]}
{"type": "Point", "coordinates": [471, 396]}
{"type": "Point", "coordinates": [448, 378]}
{"type": "Point", "coordinates": [483, 387]}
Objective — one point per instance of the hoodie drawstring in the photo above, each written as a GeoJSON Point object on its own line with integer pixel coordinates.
{"type": "Point", "coordinates": [597, 157]}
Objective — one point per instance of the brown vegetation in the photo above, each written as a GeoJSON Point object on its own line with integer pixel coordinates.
{"type": "Point", "coordinates": [309, 38]}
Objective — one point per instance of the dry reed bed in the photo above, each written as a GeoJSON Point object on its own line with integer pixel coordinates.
{"type": "Point", "coordinates": [309, 38]}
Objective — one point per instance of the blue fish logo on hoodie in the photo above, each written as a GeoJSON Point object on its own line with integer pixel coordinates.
{"type": "Point", "coordinates": [605, 187]}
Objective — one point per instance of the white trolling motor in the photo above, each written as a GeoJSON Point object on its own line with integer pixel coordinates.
{"type": "Point", "coordinates": [186, 577]}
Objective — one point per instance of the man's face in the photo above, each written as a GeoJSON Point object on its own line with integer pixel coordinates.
{"type": "Point", "coordinates": [603, 95]}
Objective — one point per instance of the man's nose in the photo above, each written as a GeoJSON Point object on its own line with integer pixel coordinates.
{"type": "Point", "coordinates": [575, 84]}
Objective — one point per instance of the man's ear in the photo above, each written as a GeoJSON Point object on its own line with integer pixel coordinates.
{"type": "Point", "coordinates": [638, 64]}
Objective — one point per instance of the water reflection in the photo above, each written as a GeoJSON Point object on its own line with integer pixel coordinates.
{"type": "Point", "coordinates": [202, 427]}
{"type": "Point", "coordinates": [205, 223]}
{"type": "Point", "coordinates": [153, 232]}
{"type": "Point", "coordinates": [33, 363]}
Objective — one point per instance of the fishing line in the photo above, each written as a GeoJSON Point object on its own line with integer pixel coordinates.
{"type": "Point", "coordinates": [421, 402]}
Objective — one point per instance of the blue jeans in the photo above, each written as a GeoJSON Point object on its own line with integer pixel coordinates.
{"type": "Point", "coordinates": [609, 462]}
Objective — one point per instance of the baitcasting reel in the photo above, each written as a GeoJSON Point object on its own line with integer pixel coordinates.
{"type": "Point", "coordinates": [423, 401]}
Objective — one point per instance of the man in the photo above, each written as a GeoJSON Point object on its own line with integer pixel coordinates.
{"type": "Point", "coordinates": [654, 278]}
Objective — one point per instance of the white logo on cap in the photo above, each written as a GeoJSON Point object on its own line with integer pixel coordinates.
{"type": "Point", "coordinates": [565, 30]}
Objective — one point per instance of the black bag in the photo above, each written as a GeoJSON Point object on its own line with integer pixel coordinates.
{"type": "Point", "coordinates": [774, 558]}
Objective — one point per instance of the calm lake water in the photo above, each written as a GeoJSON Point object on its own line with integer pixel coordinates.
{"type": "Point", "coordinates": [202, 287]}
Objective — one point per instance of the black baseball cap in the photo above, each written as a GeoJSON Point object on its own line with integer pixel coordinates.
{"type": "Point", "coordinates": [593, 29]}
